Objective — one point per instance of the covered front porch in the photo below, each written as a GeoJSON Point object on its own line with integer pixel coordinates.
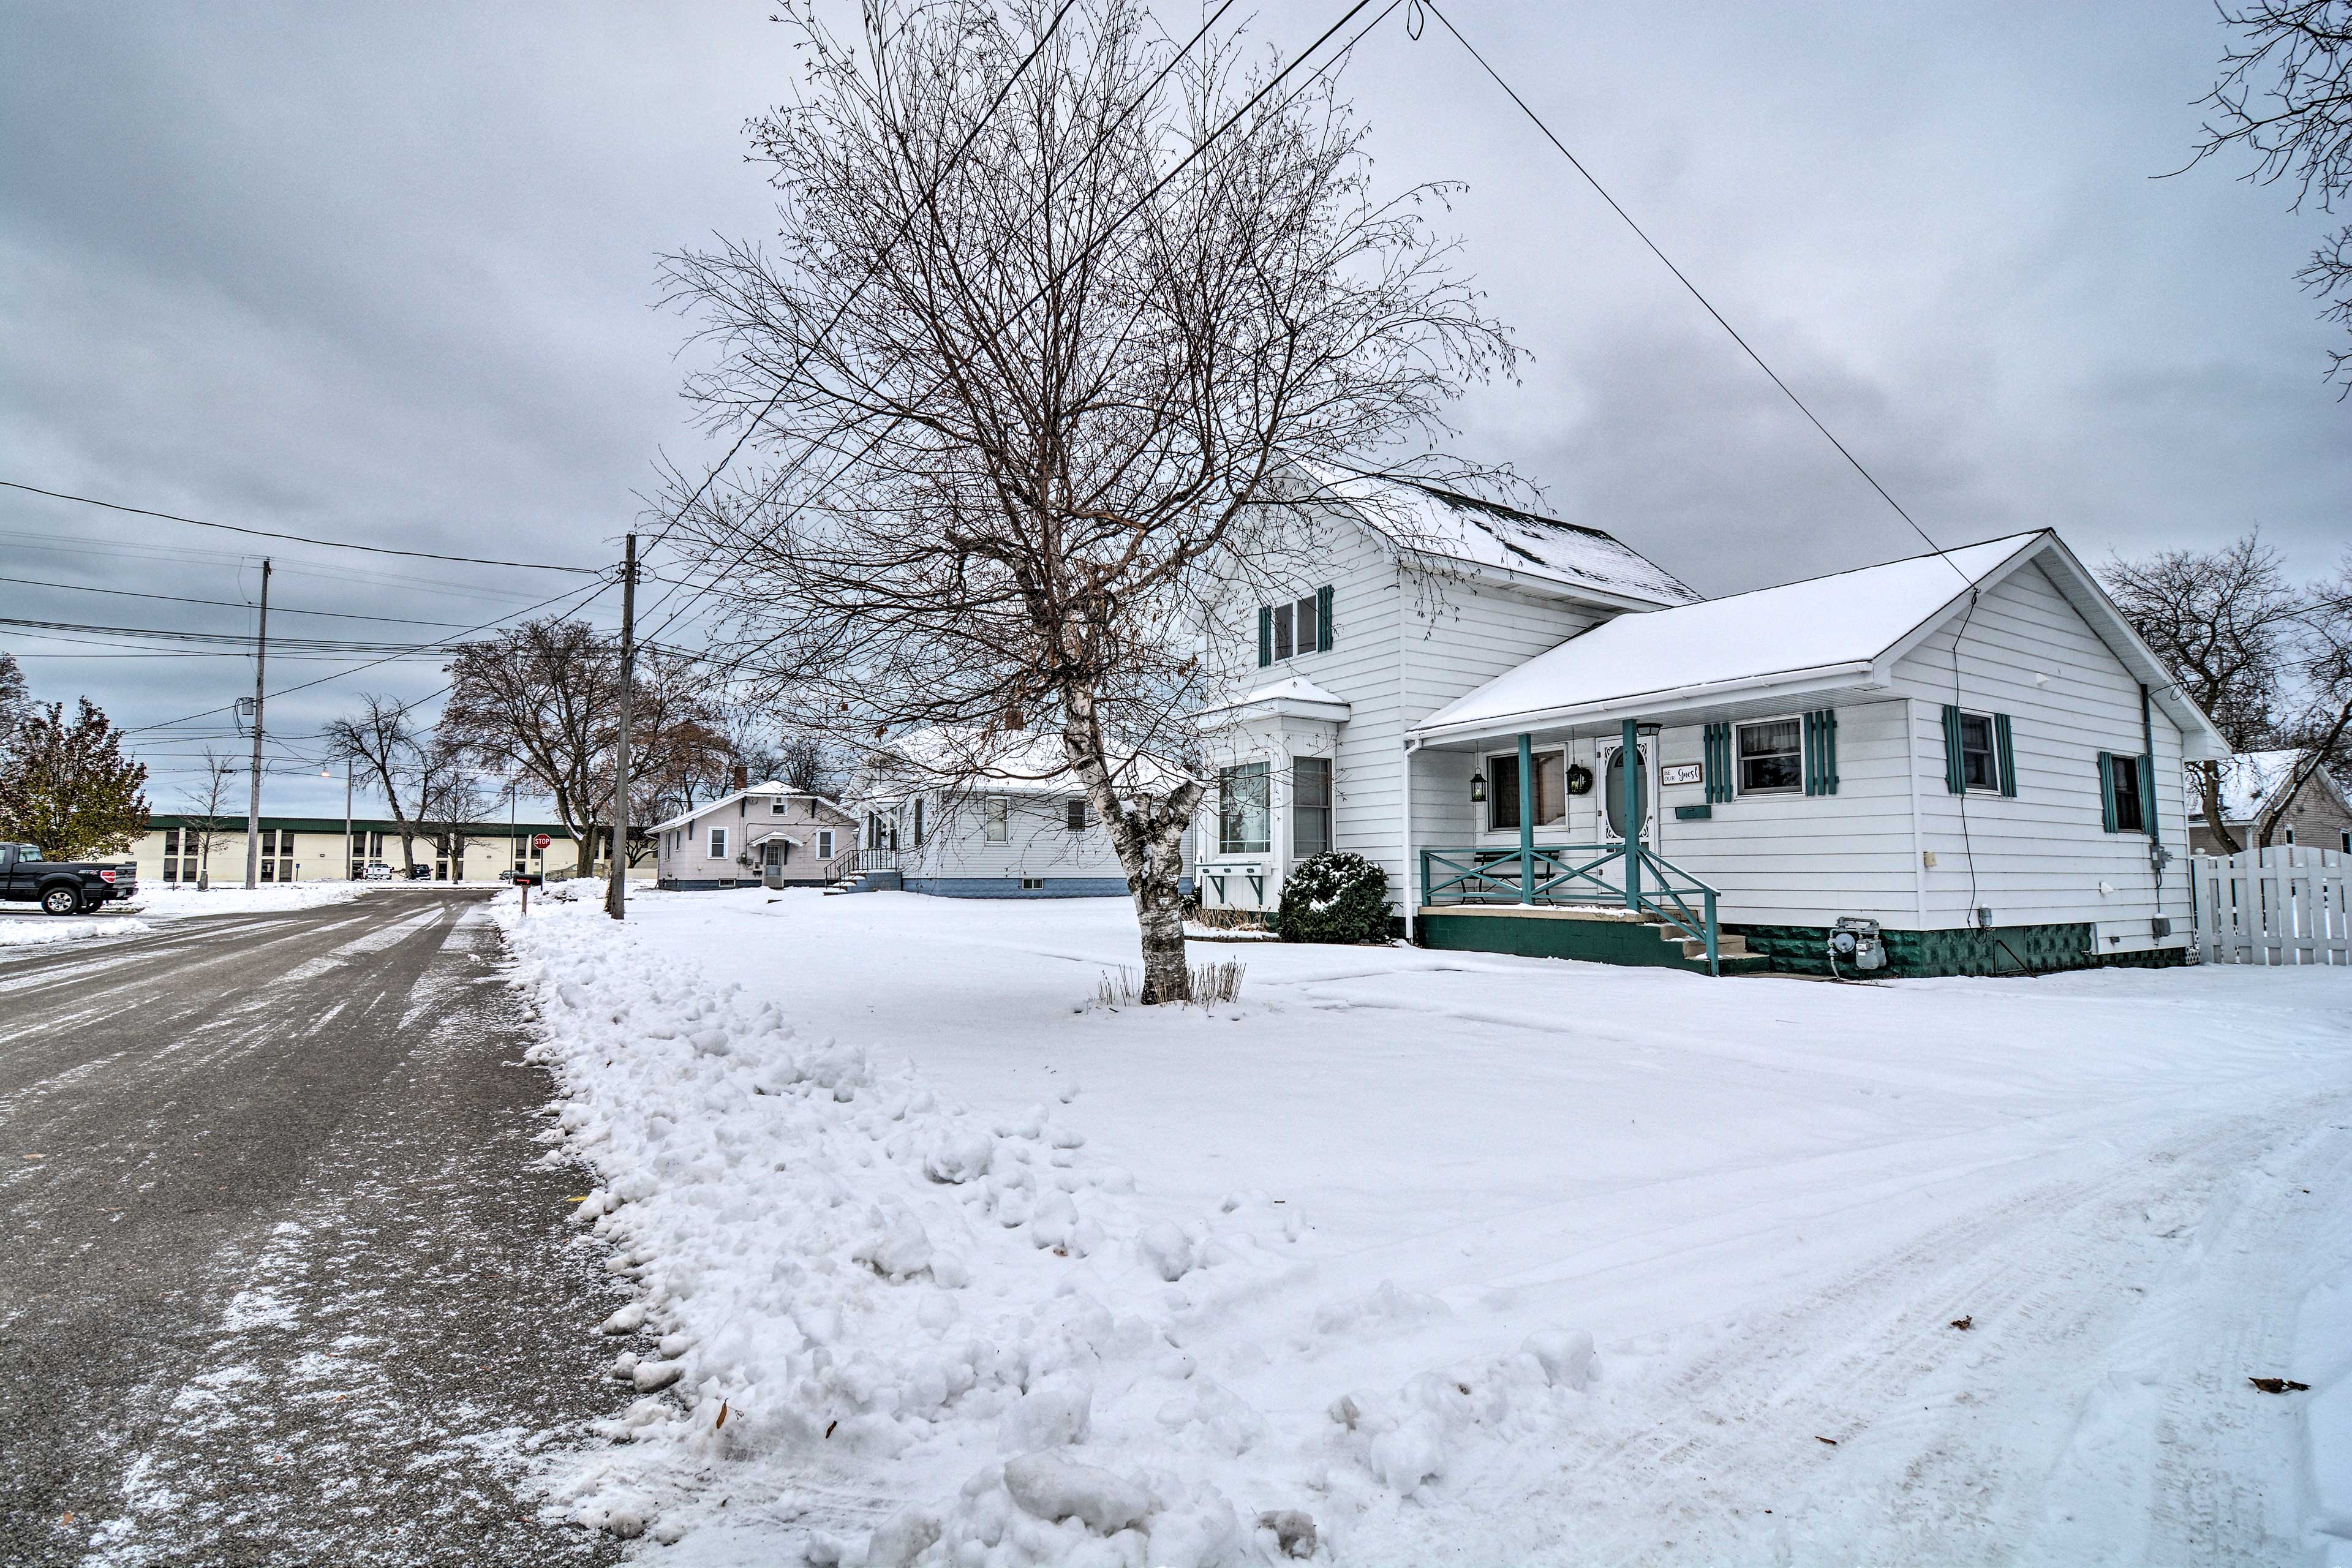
{"type": "Point", "coordinates": [1562, 858]}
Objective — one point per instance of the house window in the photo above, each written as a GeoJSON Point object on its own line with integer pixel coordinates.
{"type": "Point", "coordinates": [1502, 790]}
{"type": "Point", "coordinates": [2120, 777]}
{"type": "Point", "coordinates": [719, 843]}
{"type": "Point", "coordinates": [992, 819]}
{"type": "Point", "coordinates": [918, 822]}
{"type": "Point", "coordinates": [1300, 626]}
{"type": "Point", "coordinates": [1074, 815]}
{"type": "Point", "coordinates": [1979, 756]}
{"type": "Point", "coordinates": [1771, 757]}
{"type": "Point", "coordinates": [1033, 884]}
{"type": "Point", "coordinates": [776, 804]}
{"type": "Point", "coordinates": [1310, 806]}
{"type": "Point", "coordinates": [1244, 818]}
{"type": "Point", "coordinates": [825, 842]}
{"type": "Point", "coordinates": [2290, 835]}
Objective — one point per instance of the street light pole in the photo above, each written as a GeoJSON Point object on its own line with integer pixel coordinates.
{"type": "Point", "coordinates": [350, 872]}
{"type": "Point", "coordinates": [616, 896]}
{"type": "Point", "coordinates": [253, 808]}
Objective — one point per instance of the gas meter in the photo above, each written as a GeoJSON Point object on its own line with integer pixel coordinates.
{"type": "Point", "coordinates": [1855, 945]}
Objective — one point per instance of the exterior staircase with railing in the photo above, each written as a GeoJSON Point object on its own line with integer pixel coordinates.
{"type": "Point", "coordinates": [867, 871]}
{"type": "Point", "coordinates": [1610, 903]}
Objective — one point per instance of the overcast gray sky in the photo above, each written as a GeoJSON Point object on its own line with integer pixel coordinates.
{"type": "Point", "coordinates": [388, 273]}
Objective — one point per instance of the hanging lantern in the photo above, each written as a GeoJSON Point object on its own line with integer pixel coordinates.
{"type": "Point", "coordinates": [1477, 787]}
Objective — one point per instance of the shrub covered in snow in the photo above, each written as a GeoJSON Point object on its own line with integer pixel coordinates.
{"type": "Point", "coordinates": [1336, 895]}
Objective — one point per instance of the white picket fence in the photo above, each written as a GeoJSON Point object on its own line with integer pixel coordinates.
{"type": "Point", "coordinates": [2285, 904]}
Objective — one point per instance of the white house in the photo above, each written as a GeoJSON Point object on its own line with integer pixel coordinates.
{"type": "Point", "coordinates": [1972, 750]}
{"type": "Point", "coordinates": [759, 832]}
{"type": "Point", "coordinates": [958, 815]}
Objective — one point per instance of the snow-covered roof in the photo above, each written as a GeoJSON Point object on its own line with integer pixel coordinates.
{"type": "Point", "coordinates": [1294, 696]}
{"type": "Point", "coordinates": [769, 790]}
{"type": "Point", "coordinates": [1026, 763]}
{"type": "Point", "coordinates": [2248, 779]}
{"type": "Point", "coordinates": [1841, 622]}
{"type": "Point", "coordinates": [1430, 521]}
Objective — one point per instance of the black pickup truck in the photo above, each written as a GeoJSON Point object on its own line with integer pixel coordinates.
{"type": "Point", "coordinates": [61, 887]}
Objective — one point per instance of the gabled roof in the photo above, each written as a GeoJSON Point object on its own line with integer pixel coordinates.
{"type": "Point", "coordinates": [2249, 780]}
{"type": "Point", "coordinates": [1293, 697]}
{"type": "Point", "coordinates": [1430, 520]}
{"type": "Point", "coordinates": [769, 790]}
{"type": "Point", "coordinates": [1842, 630]}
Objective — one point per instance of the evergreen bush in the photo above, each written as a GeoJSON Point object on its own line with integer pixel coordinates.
{"type": "Point", "coordinates": [1335, 897]}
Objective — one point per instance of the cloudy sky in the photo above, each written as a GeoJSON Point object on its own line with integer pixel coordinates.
{"type": "Point", "coordinates": [387, 274]}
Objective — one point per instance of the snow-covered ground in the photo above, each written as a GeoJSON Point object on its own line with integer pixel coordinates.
{"type": "Point", "coordinates": [1446, 1256]}
{"type": "Point", "coordinates": [25, 926]}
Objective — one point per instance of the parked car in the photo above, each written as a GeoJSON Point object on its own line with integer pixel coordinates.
{"type": "Point", "coordinates": [420, 873]}
{"type": "Point", "coordinates": [376, 871]}
{"type": "Point", "coordinates": [61, 887]}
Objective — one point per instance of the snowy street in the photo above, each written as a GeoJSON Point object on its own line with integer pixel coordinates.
{"type": "Point", "coordinates": [1443, 1256]}
{"type": "Point", "coordinates": [282, 1280]}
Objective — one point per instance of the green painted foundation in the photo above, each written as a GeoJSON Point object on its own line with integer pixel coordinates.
{"type": "Point", "coordinates": [1549, 935]}
{"type": "Point", "coordinates": [1919, 954]}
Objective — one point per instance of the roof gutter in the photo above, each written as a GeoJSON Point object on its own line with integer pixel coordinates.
{"type": "Point", "coordinates": [1661, 699]}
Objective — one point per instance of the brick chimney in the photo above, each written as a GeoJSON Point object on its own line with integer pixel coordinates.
{"type": "Point", "coordinates": [742, 775]}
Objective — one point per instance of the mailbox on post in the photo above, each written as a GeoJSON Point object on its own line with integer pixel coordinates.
{"type": "Point", "coordinates": [527, 880]}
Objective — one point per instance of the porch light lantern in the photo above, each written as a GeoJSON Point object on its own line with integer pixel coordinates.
{"type": "Point", "coordinates": [1479, 788]}
{"type": "Point", "coordinates": [1646, 731]}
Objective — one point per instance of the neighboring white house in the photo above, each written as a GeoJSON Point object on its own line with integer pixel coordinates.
{"type": "Point", "coordinates": [1972, 750]}
{"type": "Point", "coordinates": [957, 815]}
{"type": "Point", "coordinates": [762, 832]}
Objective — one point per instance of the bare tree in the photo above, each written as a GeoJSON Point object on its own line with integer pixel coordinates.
{"type": "Point", "coordinates": [2226, 623]}
{"type": "Point", "coordinates": [383, 737]}
{"type": "Point", "coordinates": [541, 703]}
{"type": "Point", "coordinates": [2284, 99]}
{"type": "Point", "coordinates": [212, 812]}
{"type": "Point", "coordinates": [451, 798]}
{"type": "Point", "coordinates": [1021, 370]}
{"type": "Point", "coordinates": [2320, 730]}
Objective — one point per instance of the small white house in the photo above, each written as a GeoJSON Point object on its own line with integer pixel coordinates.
{"type": "Point", "coordinates": [1971, 751]}
{"type": "Point", "coordinates": [763, 832]}
{"type": "Point", "coordinates": [956, 815]}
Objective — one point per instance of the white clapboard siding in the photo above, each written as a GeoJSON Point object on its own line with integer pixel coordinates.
{"type": "Point", "coordinates": [1038, 841]}
{"type": "Point", "coordinates": [2043, 854]}
{"type": "Point", "coordinates": [2284, 905]}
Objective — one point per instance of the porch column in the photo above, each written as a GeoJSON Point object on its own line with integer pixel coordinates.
{"type": "Point", "coordinates": [1629, 801]}
{"type": "Point", "coordinates": [1527, 819]}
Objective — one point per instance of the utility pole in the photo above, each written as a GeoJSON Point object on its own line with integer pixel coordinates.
{"type": "Point", "coordinates": [253, 807]}
{"type": "Point", "coordinates": [349, 871]}
{"type": "Point", "coordinates": [616, 896]}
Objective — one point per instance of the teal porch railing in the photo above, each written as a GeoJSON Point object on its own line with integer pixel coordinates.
{"type": "Point", "coordinates": [1632, 877]}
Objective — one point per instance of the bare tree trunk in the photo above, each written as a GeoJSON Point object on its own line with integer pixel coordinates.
{"type": "Point", "coordinates": [1149, 838]}
{"type": "Point", "coordinates": [2209, 794]}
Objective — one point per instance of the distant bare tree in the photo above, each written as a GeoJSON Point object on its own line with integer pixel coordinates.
{"type": "Point", "coordinates": [2226, 623]}
{"type": "Point", "coordinates": [1053, 357]}
{"type": "Point", "coordinates": [383, 737]}
{"type": "Point", "coordinates": [213, 810]}
{"type": "Point", "coordinates": [2321, 727]}
{"type": "Point", "coordinates": [2284, 99]}
{"type": "Point", "coordinates": [451, 797]}
{"type": "Point", "coordinates": [541, 703]}
{"type": "Point", "coordinates": [15, 699]}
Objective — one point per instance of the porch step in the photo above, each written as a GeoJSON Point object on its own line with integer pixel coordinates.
{"type": "Point", "coordinates": [869, 883]}
{"type": "Point", "coordinates": [1602, 933]}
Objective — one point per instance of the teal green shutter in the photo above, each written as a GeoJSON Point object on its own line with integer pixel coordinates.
{"type": "Point", "coordinates": [1323, 619]}
{"type": "Point", "coordinates": [1718, 762]}
{"type": "Point", "coordinates": [1820, 751]}
{"type": "Point", "coordinates": [1956, 778]}
{"type": "Point", "coordinates": [1264, 636]}
{"type": "Point", "coordinates": [2147, 793]}
{"type": "Point", "coordinates": [2107, 791]}
{"type": "Point", "coordinates": [2008, 757]}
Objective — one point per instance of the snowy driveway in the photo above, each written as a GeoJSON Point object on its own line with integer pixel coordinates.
{"type": "Point", "coordinates": [1329, 1253]}
{"type": "Point", "coordinates": [281, 1281]}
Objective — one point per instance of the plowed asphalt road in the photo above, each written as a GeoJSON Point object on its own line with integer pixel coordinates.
{"type": "Point", "coordinates": [280, 1279]}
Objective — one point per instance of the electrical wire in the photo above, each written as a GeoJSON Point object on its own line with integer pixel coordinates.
{"type": "Point", "coordinates": [226, 604]}
{"type": "Point", "coordinates": [298, 538]}
{"type": "Point", "coordinates": [1680, 277]}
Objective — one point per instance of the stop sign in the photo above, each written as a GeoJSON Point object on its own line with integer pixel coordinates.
{"type": "Point", "coordinates": [541, 841]}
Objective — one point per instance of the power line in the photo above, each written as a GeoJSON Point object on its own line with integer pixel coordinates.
{"type": "Point", "coordinates": [1094, 243]}
{"type": "Point", "coordinates": [1640, 234]}
{"type": "Point", "coordinates": [224, 604]}
{"type": "Point", "coordinates": [302, 538]}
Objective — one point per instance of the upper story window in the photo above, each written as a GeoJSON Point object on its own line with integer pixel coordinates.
{"type": "Point", "coordinates": [1979, 759]}
{"type": "Point", "coordinates": [778, 806]}
{"type": "Point", "coordinates": [992, 819]}
{"type": "Point", "coordinates": [1301, 625]}
{"type": "Point", "coordinates": [1075, 814]}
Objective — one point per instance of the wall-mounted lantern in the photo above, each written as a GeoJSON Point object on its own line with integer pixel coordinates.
{"type": "Point", "coordinates": [1477, 788]}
